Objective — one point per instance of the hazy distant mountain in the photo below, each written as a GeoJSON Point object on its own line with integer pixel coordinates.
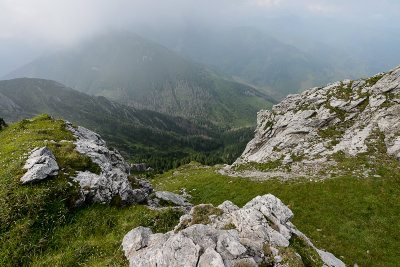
{"type": "Point", "coordinates": [253, 56]}
{"type": "Point", "coordinates": [139, 73]}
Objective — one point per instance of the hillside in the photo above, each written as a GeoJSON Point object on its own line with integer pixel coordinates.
{"type": "Point", "coordinates": [40, 223]}
{"type": "Point", "coordinates": [67, 199]}
{"type": "Point", "coordinates": [160, 140]}
{"type": "Point", "coordinates": [136, 72]}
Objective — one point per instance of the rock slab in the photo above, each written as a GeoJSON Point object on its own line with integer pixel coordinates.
{"type": "Point", "coordinates": [40, 165]}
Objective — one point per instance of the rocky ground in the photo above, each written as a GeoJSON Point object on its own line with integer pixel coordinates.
{"type": "Point", "coordinates": [260, 233]}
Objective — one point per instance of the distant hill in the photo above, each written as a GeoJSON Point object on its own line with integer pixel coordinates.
{"type": "Point", "coordinates": [136, 72]}
{"type": "Point", "coordinates": [142, 135]}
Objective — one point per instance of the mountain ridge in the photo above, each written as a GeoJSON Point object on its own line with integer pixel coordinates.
{"type": "Point", "coordinates": [140, 73]}
{"type": "Point", "coordinates": [160, 140]}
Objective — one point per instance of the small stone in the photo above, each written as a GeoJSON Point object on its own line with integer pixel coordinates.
{"type": "Point", "coordinates": [174, 198]}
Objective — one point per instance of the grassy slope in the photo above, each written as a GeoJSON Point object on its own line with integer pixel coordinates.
{"type": "Point", "coordinates": [355, 215]}
{"type": "Point", "coordinates": [38, 225]}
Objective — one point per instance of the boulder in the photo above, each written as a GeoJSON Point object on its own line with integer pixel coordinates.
{"type": "Point", "coordinates": [40, 165]}
{"type": "Point", "coordinates": [174, 198]}
{"type": "Point", "coordinates": [231, 236]}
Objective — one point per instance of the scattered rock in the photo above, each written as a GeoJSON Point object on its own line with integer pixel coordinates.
{"type": "Point", "coordinates": [174, 198]}
{"type": "Point", "coordinates": [250, 236]}
{"type": "Point", "coordinates": [40, 165]}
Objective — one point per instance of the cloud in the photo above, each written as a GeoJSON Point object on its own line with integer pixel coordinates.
{"type": "Point", "coordinates": [66, 21]}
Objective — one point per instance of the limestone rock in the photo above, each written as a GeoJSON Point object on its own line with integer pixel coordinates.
{"type": "Point", "coordinates": [305, 129]}
{"type": "Point", "coordinates": [174, 198]}
{"type": "Point", "coordinates": [113, 178]}
{"type": "Point", "coordinates": [231, 237]}
{"type": "Point", "coordinates": [40, 165]}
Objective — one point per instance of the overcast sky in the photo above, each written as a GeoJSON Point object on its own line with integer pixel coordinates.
{"type": "Point", "coordinates": [29, 28]}
{"type": "Point", "coordinates": [65, 21]}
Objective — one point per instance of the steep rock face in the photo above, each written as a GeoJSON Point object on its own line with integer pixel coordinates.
{"type": "Point", "coordinates": [113, 178]}
{"type": "Point", "coordinates": [346, 116]}
{"type": "Point", "coordinates": [258, 233]}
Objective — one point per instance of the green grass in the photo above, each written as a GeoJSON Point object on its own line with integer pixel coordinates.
{"type": "Point", "coordinates": [355, 215]}
{"type": "Point", "coordinates": [38, 224]}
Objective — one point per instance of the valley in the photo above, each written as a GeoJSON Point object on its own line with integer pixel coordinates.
{"type": "Point", "coordinates": [199, 134]}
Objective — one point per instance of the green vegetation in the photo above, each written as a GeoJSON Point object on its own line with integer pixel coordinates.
{"type": "Point", "coordinates": [290, 257]}
{"type": "Point", "coordinates": [3, 124]}
{"type": "Point", "coordinates": [161, 141]}
{"type": "Point", "coordinates": [373, 80]}
{"type": "Point", "coordinates": [38, 224]}
{"type": "Point", "coordinates": [201, 214]}
{"type": "Point", "coordinates": [309, 256]}
{"type": "Point", "coordinates": [355, 214]}
{"type": "Point", "coordinates": [267, 166]}
{"type": "Point", "coordinates": [268, 124]}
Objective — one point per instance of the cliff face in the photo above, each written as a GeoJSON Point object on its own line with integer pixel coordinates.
{"type": "Point", "coordinates": [345, 118]}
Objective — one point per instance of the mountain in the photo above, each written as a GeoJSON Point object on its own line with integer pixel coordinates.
{"type": "Point", "coordinates": [141, 135]}
{"type": "Point", "coordinates": [136, 72]}
{"type": "Point", "coordinates": [258, 58]}
{"type": "Point", "coordinates": [344, 127]}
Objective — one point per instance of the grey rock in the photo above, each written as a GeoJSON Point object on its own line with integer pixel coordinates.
{"type": "Point", "coordinates": [329, 259]}
{"type": "Point", "coordinates": [174, 198]}
{"type": "Point", "coordinates": [135, 240]}
{"type": "Point", "coordinates": [40, 165]}
{"type": "Point", "coordinates": [112, 181]}
{"type": "Point", "coordinates": [262, 221]}
{"type": "Point", "coordinates": [294, 126]}
{"type": "Point", "coordinates": [210, 258]}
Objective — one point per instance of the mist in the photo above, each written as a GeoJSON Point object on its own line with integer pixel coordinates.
{"type": "Point", "coordinates": [29, 29]}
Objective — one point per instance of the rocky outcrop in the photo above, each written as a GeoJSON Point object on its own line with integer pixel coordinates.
{"type": "Point", "coordinates": [258, 233]}
{"type": "Point", "coordinates": [40, 165]}
{"type": "Point", "coordinates": [112, 181]}
{"type": "Point", "coordinates": [347, 117]}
